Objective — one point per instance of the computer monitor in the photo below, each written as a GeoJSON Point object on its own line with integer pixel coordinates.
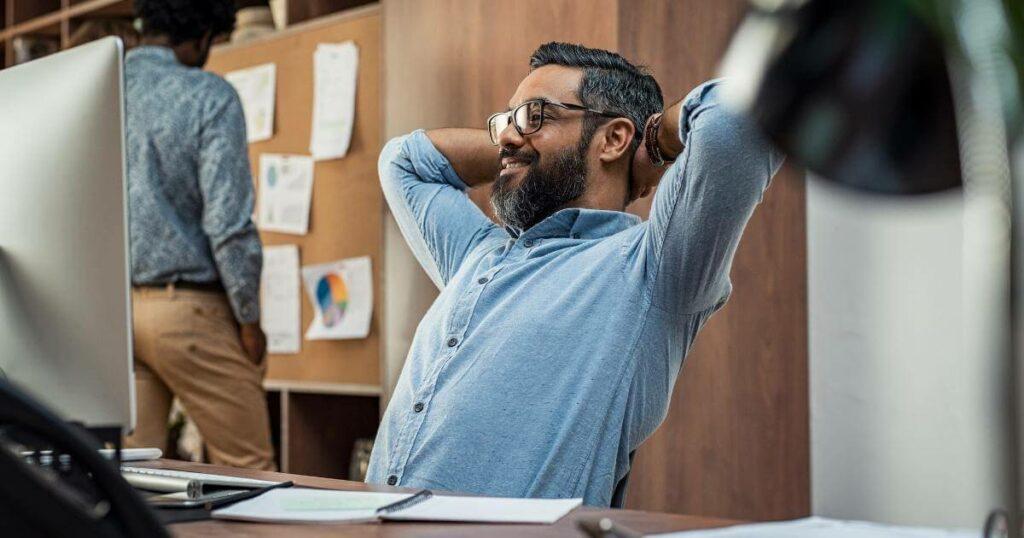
{"type": "Point", "coordinates": [65, 303]}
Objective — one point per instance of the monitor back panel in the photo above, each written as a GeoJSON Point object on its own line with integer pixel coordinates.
{"type": "Point", "coordinates": [65, 318]}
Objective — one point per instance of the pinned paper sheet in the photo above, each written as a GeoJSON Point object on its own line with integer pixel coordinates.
{"type": "Point", "coordinates": [256, 87]}
{"type": "Point", "coordinates": [286, 191]}
{"type": "Point", "coordinates": [335, 67]}
{"type": "Point", "coordinates": [279, 299]}
{"type": "Point", "coordinates": [342, 297]}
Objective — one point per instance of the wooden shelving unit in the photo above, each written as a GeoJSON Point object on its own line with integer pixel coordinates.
{"type": "Point", "coordinates": [58, 19]}
{"type": "Point", "coordinates": [314, 426]}
{"type": "Point", "coordinates": [55, 19]}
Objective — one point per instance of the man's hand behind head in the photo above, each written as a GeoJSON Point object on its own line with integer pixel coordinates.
{"type": "Point", "coordinates": [644, 174]}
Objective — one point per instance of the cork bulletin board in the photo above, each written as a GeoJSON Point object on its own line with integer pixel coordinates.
{"type": "Point", "coordinates": [346, 214]}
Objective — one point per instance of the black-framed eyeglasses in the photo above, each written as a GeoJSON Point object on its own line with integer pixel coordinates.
{"type": "Point", "coordinates": [528, 117]}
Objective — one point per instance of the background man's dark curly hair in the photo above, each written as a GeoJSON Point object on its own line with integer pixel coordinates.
{"type": "Point", "coordinates": [185, 20]}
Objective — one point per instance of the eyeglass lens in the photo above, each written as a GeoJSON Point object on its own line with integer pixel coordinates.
{"type": "Point", "coordinates": [528, 118]}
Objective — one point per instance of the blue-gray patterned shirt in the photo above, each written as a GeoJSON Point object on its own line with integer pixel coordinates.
{"type": "Point", "coordinates": [551, 355]}
{"type": "Point", "coordinates": [189, 186]}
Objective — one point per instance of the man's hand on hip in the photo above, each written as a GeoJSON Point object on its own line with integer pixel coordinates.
{"type": "Point", "coordinates": [254, 342]}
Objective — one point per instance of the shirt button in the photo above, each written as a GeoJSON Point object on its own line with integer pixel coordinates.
{"type": "Point", "coordinates": [483, 280]}
{"type": "Point", "coordinates": [418, 407]}
{"type": "Point", "coordinates": [528, 243]}
{"type": "Point", "coordinates": [452, 342]}
{"type": "Point", "coordinates": [392, 480]}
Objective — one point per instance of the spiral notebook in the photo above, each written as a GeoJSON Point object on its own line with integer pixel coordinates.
{"type": "Point", "coordinates": [303, 505]}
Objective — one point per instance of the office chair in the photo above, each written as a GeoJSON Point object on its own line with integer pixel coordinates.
{"type": "Point", "coordinates": [619, 493]}
{"type": "Point", "coordinates": [75, 493]}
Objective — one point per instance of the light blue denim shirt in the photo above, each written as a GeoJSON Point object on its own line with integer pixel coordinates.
{"type": "Point", "coordinates": [549, 357]}
{"type": "Point", "coordinates": [189, 187]}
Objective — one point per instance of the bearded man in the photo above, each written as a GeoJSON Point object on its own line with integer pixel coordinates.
{"type": "Point", "coordinates": [551, 352]}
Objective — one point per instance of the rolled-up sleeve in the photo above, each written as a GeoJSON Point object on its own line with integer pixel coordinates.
{"type": "Point", "coordinates": [703, 204]}
{"type": "Point", "coordinates": [428, 200]}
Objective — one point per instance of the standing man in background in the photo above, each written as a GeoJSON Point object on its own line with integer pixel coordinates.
{"type": "Point", "coordinates": [196, 255]}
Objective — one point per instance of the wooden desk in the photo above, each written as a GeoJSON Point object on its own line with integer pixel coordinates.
{"type": "Point", "coordinates": [647, 522]}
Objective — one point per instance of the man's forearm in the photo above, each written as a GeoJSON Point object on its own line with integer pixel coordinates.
{"type": "Point", "coordinates": [668, 132]}
{"type": "Point", "coordinates": [470, 152]}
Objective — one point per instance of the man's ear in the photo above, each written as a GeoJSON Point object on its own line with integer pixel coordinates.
{"type": "Point", "coordinates": [614, 139]}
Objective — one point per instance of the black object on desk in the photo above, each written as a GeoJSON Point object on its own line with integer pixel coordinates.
{"type": "Point", "coordinates": [201, 509]}
{"type": "Point", "coordinates": [81, 490]}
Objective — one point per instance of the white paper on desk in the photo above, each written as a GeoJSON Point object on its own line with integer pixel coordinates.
{"type": "Point", "coordinates": [256, 87]}
{"type": "Point", "coordinates": [279, 299]}
{"type": "Point", "coordinates": [335, 68]}
{"type": "Point", "coordinates": [486, 510]}
{"type": "Point", "coordinates": [816, 527]}
{"type": "Point", "coordinates": [342, 297]}
{"type": "Point", "coordinates": [303, 505]}
{"type": "Point", "coordinates": [286, 192]}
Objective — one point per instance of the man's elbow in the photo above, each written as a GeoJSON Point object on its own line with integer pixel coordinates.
{"type": "Point", "coordinates": [392, 161]}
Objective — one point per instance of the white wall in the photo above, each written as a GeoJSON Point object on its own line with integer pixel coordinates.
{"type": "Point", "coordinates": [905, 419]}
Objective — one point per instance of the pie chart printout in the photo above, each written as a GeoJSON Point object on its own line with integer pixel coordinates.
{"type": "Point", "coordinates": [332, 297]}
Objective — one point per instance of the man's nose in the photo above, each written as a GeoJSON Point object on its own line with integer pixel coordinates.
{"type": "Point", "coordinates": [510, 137]}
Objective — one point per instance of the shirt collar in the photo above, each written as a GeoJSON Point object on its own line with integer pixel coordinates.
{"type": "Point", "coordinates": [155, 53]}
{"type": "Point", "coordinates": [579, 223]}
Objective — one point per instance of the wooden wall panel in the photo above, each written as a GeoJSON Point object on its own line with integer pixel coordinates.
{"type": "Point", "coordinates": [347, 207]}
{"type": "Point", "coordinates": [735, 442]}
{"type": "Point", "coordinates": [452, 63]}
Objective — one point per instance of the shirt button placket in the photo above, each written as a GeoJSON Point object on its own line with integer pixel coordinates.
{"type": "Point", "coordinates": [419, 406]}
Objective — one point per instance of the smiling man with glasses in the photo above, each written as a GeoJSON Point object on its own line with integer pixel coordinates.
{"type": "Point", "coordinates": [552, 350]}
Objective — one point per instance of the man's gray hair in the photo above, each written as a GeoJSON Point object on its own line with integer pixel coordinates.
{"type": "Point", "coordinates": [610, 84]}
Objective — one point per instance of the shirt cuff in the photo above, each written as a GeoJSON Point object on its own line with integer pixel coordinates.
{"type": "Point", "coordinates": [245, 305]}
{"type": "Point", "coordinates": [430, 163]}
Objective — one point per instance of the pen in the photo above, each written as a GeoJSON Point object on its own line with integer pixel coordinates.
{"type": "Point", "coordinates": [606, 528]}
{"type": "Point", "coordinates": [243, 495]}
{"type": "Point", "coordinates": [419, 497]}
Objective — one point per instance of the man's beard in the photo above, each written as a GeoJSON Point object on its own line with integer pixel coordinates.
{"type": "Point", "coordinates": [543, 189]}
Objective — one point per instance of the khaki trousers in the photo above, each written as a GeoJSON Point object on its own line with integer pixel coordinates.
{"type": "Point", "coordinates": [187, 345]}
